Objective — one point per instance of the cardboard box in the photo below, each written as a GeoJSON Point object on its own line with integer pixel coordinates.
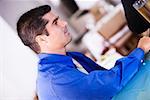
{"type": "Point", "coordinates": [98, 12]}
{"type": "Point", "coordinates": [112, 23]}
{"type": "Point", "coordinates": [127, 43]}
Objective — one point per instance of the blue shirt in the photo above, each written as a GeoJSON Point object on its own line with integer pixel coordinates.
{"type": "Point", "coordinates": [139, 86]}
{"type": "Point", "coordinates": [59, 79]}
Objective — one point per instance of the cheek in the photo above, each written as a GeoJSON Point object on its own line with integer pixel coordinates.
{"type": "Point", "coordinates": [53, 29]}
{"type": "Point", "coordinates": [56, 31]}
{"type": "Point", "coordinates": [58, 36]}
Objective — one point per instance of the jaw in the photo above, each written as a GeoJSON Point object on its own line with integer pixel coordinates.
{"type": "Point", "coordinates": [69, 40]}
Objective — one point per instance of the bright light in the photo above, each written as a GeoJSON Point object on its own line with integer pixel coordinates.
{"type": "Point", "coordinates": [85, 4]}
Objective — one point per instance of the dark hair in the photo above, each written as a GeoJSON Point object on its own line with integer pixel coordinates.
{"type": "Point", "coordinates": [31, 24]}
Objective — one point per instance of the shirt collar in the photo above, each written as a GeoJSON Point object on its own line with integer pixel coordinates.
{"type": "Point", "coordinates": [46, 58]}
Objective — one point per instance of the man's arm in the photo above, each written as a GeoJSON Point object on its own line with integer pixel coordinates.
{"type": "Point", "coordinates": [106, 83]}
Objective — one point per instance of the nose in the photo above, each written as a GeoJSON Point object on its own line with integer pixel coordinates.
{"type": "Point", "coordinates": [63, 23]}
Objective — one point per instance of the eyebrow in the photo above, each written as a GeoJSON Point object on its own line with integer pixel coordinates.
{"type": "Point", "coordinates": [55, 19]}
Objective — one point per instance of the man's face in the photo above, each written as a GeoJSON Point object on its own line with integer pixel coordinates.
{"type": "Point", "coordinates": [57, 29]}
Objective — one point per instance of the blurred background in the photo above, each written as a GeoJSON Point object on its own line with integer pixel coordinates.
{"type": "Point", "coordinates": [98, 27]}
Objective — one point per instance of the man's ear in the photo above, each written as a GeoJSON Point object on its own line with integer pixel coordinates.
{"type": "Point", "coordinates": [41, 39]}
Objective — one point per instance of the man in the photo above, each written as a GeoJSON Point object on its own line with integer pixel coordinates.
{"type": "Point", "coordinates": [58, 76]}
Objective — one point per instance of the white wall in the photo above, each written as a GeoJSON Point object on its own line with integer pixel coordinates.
{"type": "Point", "coordinates": [11, 10]}
{"type": "Point", "coordinates": [18, 64]}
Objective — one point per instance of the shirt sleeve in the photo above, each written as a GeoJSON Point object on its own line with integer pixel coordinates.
{"type": "Point", "coordinates": [109, 82]}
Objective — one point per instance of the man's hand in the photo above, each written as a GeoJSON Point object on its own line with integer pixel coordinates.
{"type": "Point", "coordinates": [144, 43]}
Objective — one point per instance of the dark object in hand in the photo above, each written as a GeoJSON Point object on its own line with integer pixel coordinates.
{"type": "Point", "coordinates": [136, 22]}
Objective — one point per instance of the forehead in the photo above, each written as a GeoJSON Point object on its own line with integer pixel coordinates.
{"type": "Point", "coordinates": [50, 16]}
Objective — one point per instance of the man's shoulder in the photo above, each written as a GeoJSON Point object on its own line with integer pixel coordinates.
{"type": "Point", "coordinates": [74, 53]}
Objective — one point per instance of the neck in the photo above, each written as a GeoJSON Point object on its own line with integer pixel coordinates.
{"type": "Point", "coordinates": [61, 51]}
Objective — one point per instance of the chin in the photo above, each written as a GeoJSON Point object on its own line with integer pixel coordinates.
{"type": "Point", "coordinates": [69, 40]}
